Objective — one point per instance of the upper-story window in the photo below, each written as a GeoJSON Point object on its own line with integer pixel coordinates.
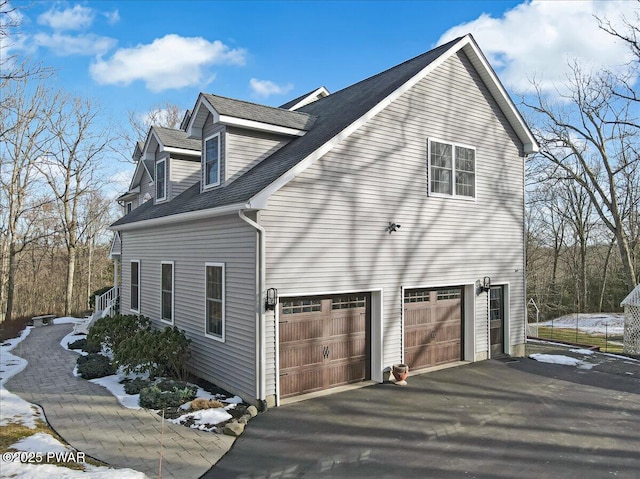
{"type": "Point", "coordinates": [452, 170]}
{"type": "Point", "coordinates": [161, 180]}
{"type": "Point", "coordinates": [128, 207]}
{"type": "Point", "coordinates": [212, 160]}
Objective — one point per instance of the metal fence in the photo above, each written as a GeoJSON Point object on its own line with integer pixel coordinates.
{"type": "Point", "coordinates": [608, 338]}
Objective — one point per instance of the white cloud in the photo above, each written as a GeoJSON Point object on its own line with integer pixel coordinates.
{"type": "Point", "coordinates": [65, 45]}
{"type": "Point", "coordinates": [112, 17]}
{"type": "Point", "coordinates": [537, 40]}
{"type": "Point", "coordinates": [266, 88]}
{"type": "Point", "coordinates": [76, 18]}
{"type": "Point", "coordinates": [168, 62]}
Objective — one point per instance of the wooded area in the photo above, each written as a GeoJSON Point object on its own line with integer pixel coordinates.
{"type": "Point", "coordinates": [583, 188]}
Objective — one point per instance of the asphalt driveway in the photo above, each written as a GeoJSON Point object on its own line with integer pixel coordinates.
{"type": "Point", "coordinates": [493, 419]}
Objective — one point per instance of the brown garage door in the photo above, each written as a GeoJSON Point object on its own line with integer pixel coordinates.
{"type": "Point", "coordinates": [432, 326]}
{"type": "Point", "coordinates": [324, 342]}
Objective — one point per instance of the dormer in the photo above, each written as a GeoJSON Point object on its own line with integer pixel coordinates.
{"type": "Point", "coordinates": [305, 99]}
{"type": "Point", "coordinates": [172, 161]}
{"type": "Point", "coordinates": [236, 135]}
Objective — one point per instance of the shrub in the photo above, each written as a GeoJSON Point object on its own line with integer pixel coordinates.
{"type": "Point", "coordinates": [78, 344]}
{"type": "Point", "coordinates": [135, 385]}
{"type": "Point", "coordinates": [110, 331]}
{"type": "Point", "coordinates": [159, 353]}
{"type": "Point", "coordinates": [94, 366]}
{"type": "Point", "coordinates": [153, 397]}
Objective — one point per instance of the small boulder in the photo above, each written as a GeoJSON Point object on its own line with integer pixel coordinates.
{"type": "Point", "coordinates": [253, 411]}
{"type": "Point", "coordinates": [233, 429]}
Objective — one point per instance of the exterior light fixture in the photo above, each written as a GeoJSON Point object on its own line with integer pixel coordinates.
{"type": "Point", "coordinates": [271, 299]}
{"type": "Point", "coordinates": [393, 227]}
{"type": "Point", "coordinates": [486, 284]}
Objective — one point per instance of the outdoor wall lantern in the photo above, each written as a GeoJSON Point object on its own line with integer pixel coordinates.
{"type": "Point", "coordinates": [486, 284]}
{"type": "Point", "coordinates": [393, 227]}
{"type": "Point", "coordinates": [271, 299]}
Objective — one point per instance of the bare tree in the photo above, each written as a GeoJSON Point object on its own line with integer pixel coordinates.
{"type": "Point", "coordinates": [590, 138]}
{"type": "Point", "coordinates": [24, 134]}
{"type": "Point", "coordinates": [70, 168]}
{"type": "Point", "coordinates": [167, 115]}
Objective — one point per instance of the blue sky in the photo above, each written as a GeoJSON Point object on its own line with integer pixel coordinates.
{"type": "Point", "coordinates": [134, 55]}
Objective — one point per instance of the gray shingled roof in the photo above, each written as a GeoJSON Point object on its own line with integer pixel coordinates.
{"type": "Point", "coordinates": [176, 138]}
{"type": "Point", "coordinates": [334, 113]}
{"type": "Point", "coordinates": [266, 114]}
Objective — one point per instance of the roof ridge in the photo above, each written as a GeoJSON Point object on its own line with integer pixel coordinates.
{"type": "Point", "coordinates": [260, 105]}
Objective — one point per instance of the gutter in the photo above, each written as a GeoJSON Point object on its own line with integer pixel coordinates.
{"type": "Point", "coordinates": [261, 279]}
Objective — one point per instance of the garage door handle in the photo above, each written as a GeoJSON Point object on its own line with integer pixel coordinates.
{"type": "Point", "coordinates": [325, 352]}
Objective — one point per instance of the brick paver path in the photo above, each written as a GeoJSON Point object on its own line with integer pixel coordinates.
{"type": "Point", "coordinates": [91, 420]}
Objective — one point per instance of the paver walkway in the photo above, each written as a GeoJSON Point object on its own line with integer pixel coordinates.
{"type": "Point", "coordinates": [91, 420]}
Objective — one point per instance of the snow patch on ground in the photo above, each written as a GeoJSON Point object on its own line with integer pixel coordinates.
{"type": "Point", "coordinates": [600, 323]}
{"type": "Point", "coordinates": [205, 419]}
{"type": "Point", "coordinates": [40, 442]}
{"type": "Point", "coordinates": [556, 359]}
{"type": "Point", "coordinates": [586, 352]}
{"type": "Point", "coordinates": [112, 383]}
{"type": "Point", "coordinates": [17, 470]}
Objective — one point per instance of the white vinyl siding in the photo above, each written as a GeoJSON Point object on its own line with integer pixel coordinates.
{"type": "Point", "coordinates": [161, 180]}
{"type": "Point", "coordinates": [134, 282]}
{"type": "Point", "coordinates": [166, 291]}
{"type": "Point", "coordinates": [327, 229]}
{"type": "Point", "coordinates": [214, 301]}
{"type": "Point", "coordinates": [182, 175]}
{"type": "Point", "coordinates": [226, 240]}
{"type": "Point", "coordinates": [246, 148]}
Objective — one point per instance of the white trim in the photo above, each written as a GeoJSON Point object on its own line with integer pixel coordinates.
{"type": "Point", "coordinates": [261, 280]}
{"type": "Point", "coordinates": [165, 187]}
{"type": "Point", "coordinates": [453, 194]}
{"type": "Point", "coordinates": [489, 77]}
{"type": "Point", "coordinates": [506, 329]}
{"type": "Point", "coordinates": [173, 292]}
{"type": "Point", "coordinates": [181, 151]}
{"type": "Point", "coordinates": [205, 186]}
{"type": "Point", "coordinates": [220, 338]}
{"type": "Point", "coordinates": [139, 285]}
{"type": "Point", "coordinates": [182, 217]}
{"type": "Point", "coordinates": [260, 126]}
{"type": "Point", "coordinates": [311, 97]}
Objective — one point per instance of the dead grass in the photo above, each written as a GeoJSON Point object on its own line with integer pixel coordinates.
{"type": "Point", "coordinates": [201, 403]}
{"type": "Point", "coordinates": [607, 345]}
{"type": "Point", "coordinates": [14, 432]}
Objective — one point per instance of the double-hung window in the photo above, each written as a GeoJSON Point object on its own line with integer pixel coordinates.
{"type": "Point", "coordinates": [212, 160]}
{"type": "Point", "coordinates": [135, 286]}
{"type": "Point", "coordinates": [214, 299]}
{"type": "Point", "coordinates": [167, 291]}
{"type": "Point", "coordinates": [161, 180]}
{"type": "Point", "coordinates": [452, 170]}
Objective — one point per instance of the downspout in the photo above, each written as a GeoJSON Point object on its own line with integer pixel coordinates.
{"type": "Point", "coordinates": [261, 280]}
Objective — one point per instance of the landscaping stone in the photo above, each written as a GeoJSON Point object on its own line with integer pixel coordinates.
{"type": "Point", "coordinates": [253, 411]}
{"type": "Point", "coordinates": [233, 429]}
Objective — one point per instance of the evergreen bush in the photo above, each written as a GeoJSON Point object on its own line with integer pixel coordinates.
{"type": "Point", "coordinates": [94, 366]}
{"type": "Point", "coordinates": [159, 353]}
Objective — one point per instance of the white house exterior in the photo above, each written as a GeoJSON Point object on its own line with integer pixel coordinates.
{"type": "Point", "coordinates": [371, 219]}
